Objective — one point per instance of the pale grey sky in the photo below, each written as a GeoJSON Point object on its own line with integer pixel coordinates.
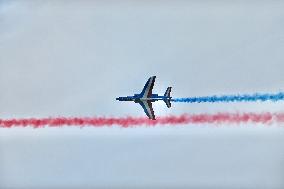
{"type": "Point", "coordinates": [72, 58]}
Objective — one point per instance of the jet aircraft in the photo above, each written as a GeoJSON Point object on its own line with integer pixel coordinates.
{"type": "Point", "coordinates": [145, 98]}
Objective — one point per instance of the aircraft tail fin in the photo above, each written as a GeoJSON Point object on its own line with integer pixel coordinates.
{"type": "Point", "coordinates": [168, 95]}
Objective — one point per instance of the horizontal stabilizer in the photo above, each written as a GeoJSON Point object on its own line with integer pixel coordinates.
{"type": "Point", "coordinates": [168, 103]}
{"type": "Point", "coordinates": [168, 92]}
{"type": "Point", "coordinates": [168, 95]}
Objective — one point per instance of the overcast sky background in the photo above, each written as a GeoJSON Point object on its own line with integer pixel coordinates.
{"type": "Point", "coordinates": [73, 58]}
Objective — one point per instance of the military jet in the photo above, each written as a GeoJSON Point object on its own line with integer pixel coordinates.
{"type": "Point", "coordinates": [145, 98]}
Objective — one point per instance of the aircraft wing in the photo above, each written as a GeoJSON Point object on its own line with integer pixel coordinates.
{"type": "Point", "coordinates": [147, 90]}
{"type": "Point", "coordinates": [148, 109]}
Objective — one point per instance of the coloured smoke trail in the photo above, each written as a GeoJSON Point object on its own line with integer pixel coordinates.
{"type": "Point", "coordinates": [218, 118]}
{"type": "Point", "coordinates": [233, 98]}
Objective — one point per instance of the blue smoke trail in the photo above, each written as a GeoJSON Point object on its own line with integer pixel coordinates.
{"type": "Point", "coordinates": [233, 98]}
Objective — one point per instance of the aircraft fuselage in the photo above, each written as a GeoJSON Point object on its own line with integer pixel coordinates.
{"type": "Point", "coordinates": [136, 98]}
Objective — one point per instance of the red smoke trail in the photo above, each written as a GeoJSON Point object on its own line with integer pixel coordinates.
{"type": "Point", "coordinates": [219, 118]}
